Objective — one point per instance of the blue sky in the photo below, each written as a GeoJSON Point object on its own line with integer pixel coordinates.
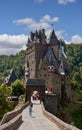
{"type": "Point", "coordinates": [19, 17]}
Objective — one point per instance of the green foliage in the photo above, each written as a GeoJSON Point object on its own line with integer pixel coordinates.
{"type": "Point", "coordinates": [75, 58]}
{"type": "Point", "coordinates": [17, 88]}
{"type": "Point", "coordinates": [77, 114]}
{"type": "Point", "coordinates": [16, 62]}
{"type": "Point", "coordinates": [74, 109]}
{"type": "Point", "coordinates": [5, 106]}
{"type": "Point", "coordinates": [77, 117]}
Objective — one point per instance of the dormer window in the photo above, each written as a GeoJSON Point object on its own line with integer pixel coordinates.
{"type": "Point", "coordinates": [51, 68]}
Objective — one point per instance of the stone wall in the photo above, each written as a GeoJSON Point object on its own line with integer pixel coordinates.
{"type": "Point", "coordinates": [51, 103]}
{"type": "Point", "coordinates": [13, 119]}
{"type": "Point", "coordinates": [61, 124]}
{"type": "Point", "coordinates": [12, 124]}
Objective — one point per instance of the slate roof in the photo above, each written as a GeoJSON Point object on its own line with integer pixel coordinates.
{"type": "Point", "coordinates": [51, 56]}
{"type": "Point", "coordinates": [50, 53]}
{"type": "Point", "coordinates": [11, 77]}
{"type": "Point", "coordinates": [53, 38]}
{"type": "Point", "coordinates": [35, 82]}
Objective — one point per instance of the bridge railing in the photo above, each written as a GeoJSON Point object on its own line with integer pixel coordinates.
{"type": "Point", "coordinates": [13, 119]}
{"type": "Point", "coordinates": [61, 124]}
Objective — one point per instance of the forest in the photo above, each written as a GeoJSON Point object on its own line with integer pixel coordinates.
{"type": "Point", "coordinates": [74, 52]}
{"type": "Point", "coordinates": [15, 62]}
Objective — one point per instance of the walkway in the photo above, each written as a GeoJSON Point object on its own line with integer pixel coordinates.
{"type": "Point", "coordinates": [37, 121]}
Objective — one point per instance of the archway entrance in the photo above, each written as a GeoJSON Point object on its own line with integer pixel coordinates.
{"type": "Point", "coordinates": [35, 85]}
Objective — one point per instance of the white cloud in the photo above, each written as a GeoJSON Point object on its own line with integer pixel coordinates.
{"type": "Point", "coordinates": [55, 19]}
{"type": "Point", "coordinates": [10, 44]}
{"type": "Point", "coordinates": [65, 1]}
{"type": "Point", "coordinates": [76, 39]}
{"type": "Point", "coordinates": [39, 1]}
{"type": "Point", "coordinates": [24, 21]}
{"type": "Point", "coordinates": [37, 26]}
{"type": "Point", "coordinates": [59, 34]}
{"type": "Point", "coordinates": [45, 22]}
{"type": "Point", "coordinates": [47, 18]}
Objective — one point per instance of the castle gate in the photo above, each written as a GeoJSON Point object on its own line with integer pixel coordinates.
{"type": "Point", "coordinates": [35, 85]}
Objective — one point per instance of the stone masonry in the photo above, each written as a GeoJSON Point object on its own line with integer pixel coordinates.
{"type": "Point", "coordinates": [46, 58]}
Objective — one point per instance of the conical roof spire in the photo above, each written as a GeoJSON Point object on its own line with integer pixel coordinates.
{"type": "Point", "coordinates": [53, 38]}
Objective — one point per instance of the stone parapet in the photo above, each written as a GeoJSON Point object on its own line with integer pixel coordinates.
{"type": "Point", "coordinates": [61, 124]}
{"type": "Point", "coordinates": [13, 119]}
{"type": "Point", "coordinates": [12, 124]}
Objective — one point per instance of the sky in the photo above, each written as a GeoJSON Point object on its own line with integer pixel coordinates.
{"type": "Point", "coordinates": [19, 17]}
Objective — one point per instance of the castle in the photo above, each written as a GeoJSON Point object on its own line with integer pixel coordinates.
{"type": "Point", "coordinates": [46, 58]}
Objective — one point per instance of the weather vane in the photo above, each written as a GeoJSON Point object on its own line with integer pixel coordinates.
{"type": "Point", "coordinates": [52, 26]}
{"type": "Point", "coordinates": [40, 27]}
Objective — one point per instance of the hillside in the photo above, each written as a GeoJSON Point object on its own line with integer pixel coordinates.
{"type": "Point", "coordinates": [75, 58]}
{"type": "Point", "coordinates": [16, 62]}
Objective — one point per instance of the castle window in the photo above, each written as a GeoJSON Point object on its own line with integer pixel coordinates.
{"type": "Point", "coordinates": [31, 69]}
{"type": "Point", "coordinates": [43, 68]}
{"type": "Point", "coordinates": [44, 75]}
{"type": "Point", "coordinates": [62, 79]}
{"type": "Point", "coordinates": [50, 68]}
{"type": "Point", "coordinates": [32, 62]}
{"type": "Point", "coordinates": [33, 55]}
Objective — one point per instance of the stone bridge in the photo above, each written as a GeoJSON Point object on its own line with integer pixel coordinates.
{"type": "Point", "coordinates": [40, 120]}
{"type": "Point", "coordinates": [37, 121]}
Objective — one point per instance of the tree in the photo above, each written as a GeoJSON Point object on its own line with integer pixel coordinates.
{"type": "Point", "coordinates": [17, 88]}
{"type": "Point", "coordinates": [5, 106]}
{"type": "Point", "coordinates": [75, 58]}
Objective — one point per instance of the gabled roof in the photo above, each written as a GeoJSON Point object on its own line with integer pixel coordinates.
{"type": "Point", "coordinates": [35, 82]}
{"type": "Point", "coordinates": [53, 38]}
{"type": "Point", "coordinates": [51, 56]}
{"type": "Point", "coordinates": [11, 77]}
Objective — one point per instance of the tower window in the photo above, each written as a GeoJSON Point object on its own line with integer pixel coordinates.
{"type": "Point", "coordinates": [44, 75]}
{"type": "Point", "coordinates": [62, 79]}
{"type": "Point", "coordinates": [31, 69]}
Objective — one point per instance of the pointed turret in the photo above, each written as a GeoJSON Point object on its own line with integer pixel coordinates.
{"type": "Point", "coordinates": [42, 36]}
{"type": "Point", "coordinates": [53, 38]}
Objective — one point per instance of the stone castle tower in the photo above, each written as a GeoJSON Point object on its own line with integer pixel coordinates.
{"type": "Point", "coordinates": [47, 59]}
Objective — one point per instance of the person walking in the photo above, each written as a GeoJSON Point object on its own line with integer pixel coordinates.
{"type": "Point", "coordinates": [30, 109]}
